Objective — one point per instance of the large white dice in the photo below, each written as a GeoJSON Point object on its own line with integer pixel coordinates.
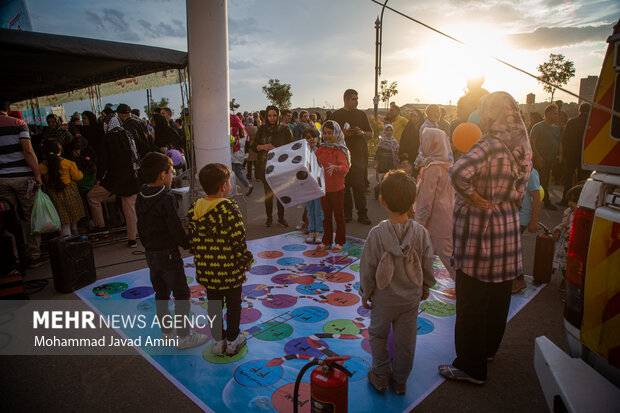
{"type": "Point", "coordinates": [294, 174]}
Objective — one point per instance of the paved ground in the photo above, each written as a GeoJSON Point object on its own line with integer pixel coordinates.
{"type": "Point", "coordinates": [124, 383]}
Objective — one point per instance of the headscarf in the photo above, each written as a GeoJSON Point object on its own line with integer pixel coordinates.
{"type": "Point", "coordinates": [435, 149]}
{"type": "Point", "coordinates": [269, 125]}
{"type": "Point", "coordinates": [339, 144]}
{"type": "Point", "coordinates": [308, 124]}
{"type": "Point", "coordinates": [112, 124]}
{"type": "Point", "coordinates": [390, 144]}
{"type": "Point", "coordinates": [249, 120]}
{"type": "Point", "coordinates": [500, 119]}
{"type": "Point", "coordinates": [62, 135]}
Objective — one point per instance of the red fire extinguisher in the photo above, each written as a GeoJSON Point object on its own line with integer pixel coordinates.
{"type": "Point", "coordinates": [329, 386]}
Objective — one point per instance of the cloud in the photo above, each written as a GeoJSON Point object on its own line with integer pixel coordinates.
{"type": "Point", "coordinates": [94, 19]}
{"type": "Point", "coordinates": [237, 41]}
{"type": "Point", "coordinates": [241, 64]}
{"type": "Point", "coordinates": [245, 26]}
{"type": "Point", "coordinates": [550, 37]}
{"type": "Point", "coordinates": [178, 30]}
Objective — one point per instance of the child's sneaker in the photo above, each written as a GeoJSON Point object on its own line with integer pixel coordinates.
{"type": "Point", "coordinates": [318, 237]}
{"type": "Point", "coordinates": [233, 347]}
{"type": "Point", "coordinates": [170, 335]}
{"type": "Point", "coordinates": [337, 248]}
{"type": "Point", "coordinates": [193, 339]}
{"type": "Point", "coordinates": [218, 347]}
{"type": "Point", "coordinates": [323, 247]}
{"type": "Point", "coordinates": [310, 238]}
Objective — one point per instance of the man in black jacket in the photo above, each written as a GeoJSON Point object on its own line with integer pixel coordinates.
{"type": "Point", "coordinates": [137, 128]}
{"type": "Point", "coordinates": [572, 146]}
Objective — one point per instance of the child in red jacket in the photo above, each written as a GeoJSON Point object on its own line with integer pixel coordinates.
{"type": "Point", "coordinates": [335, 159]}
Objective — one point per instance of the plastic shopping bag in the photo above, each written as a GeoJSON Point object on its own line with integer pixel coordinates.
{"type": "Point", "coordinates": [44, 218]}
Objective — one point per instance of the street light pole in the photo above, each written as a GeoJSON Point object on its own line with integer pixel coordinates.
{"type": "Point", "coordinates": [378, 45]}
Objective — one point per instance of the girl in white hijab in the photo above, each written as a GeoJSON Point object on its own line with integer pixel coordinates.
{"type": "Point", "coordinates": [435, 200]}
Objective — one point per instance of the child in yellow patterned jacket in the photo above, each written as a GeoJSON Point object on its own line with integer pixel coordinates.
{"type": "Point", "coordinates": [221, 256]}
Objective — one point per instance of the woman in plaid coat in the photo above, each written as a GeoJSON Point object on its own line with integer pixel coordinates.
{"type": "Point", "coordinates": [489, 181]}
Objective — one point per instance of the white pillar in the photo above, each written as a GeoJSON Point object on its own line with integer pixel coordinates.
{"type": "Point", "coordinates": [207, 46]}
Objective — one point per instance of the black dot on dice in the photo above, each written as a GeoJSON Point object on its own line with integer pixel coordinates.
{"type": "Point", "coordinates": [270, 156]}
{"type": "Point", "coordinates": [297, 159]}
{"type": "Point", "coordinates": [301, 175]}
{"type": "Point", "coordinates": [282, 157]}
{"type": "Point", "coordinates": [269, 169]}
{"type": "Point", "coordinates": [285, 199]}
{"type": "Point", "coordinates": [296, 146]}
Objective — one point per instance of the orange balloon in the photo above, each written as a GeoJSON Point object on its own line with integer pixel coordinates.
{"type": "Point", "coordinates": [465, 136]}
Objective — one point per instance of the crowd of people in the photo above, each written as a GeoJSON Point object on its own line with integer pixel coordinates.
{"type": "Point", "coordinates": [469, 208]}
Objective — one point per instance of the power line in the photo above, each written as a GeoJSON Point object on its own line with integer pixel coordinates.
{"type": "Point", "coordinates": [594, 104]}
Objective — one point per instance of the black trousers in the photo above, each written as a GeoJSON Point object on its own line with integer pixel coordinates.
{"type": "Point", "coordinates": [167, 275]}
{"type": "Point", "coordinates": [359, 196]}
{"type": "Point", "coordinates": [269, 202]}
{"type": "Point", "coordinates": [232, 297]}
{"type": "Point", "coordinates": [545, 176]}
{"type": "Point", "coordinates": [481, 313]}
{"type": "Point", "coordinates": [572, 164]}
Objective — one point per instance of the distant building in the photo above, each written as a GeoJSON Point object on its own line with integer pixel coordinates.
{"type": "Point", "coordinates": [530, 98]}
{"type": "Point", "coordinates": [587, 88]}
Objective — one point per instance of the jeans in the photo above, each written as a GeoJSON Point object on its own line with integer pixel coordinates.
{"type": "Point", "coordinates": [232, 297]}
{"type": "Point", "coordinates": [238, 170]}
{"type": "Point", "coordinates": [98, 194]}
{"type": "Point", "coordinates": [168, 275]}
{"type": "Point", "coordinates": [332, 203]}
{"type": "Point", "coordinates": [481, 313]}
{"type": "Point", "coordinates": [545, 176]}
{"type": "Point", "coordinates": [314, 212]}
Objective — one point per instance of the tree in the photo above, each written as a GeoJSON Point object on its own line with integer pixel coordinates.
{"type": "Point", "coordinates": [148, 111]}
{"type": "Point", "coordinates": [279, 94]}
{"type": "Point", "coordinates": [233, 105]}
{"type": "Point", "coordinates": [557, 71]}
{"type": "Point", "coordinates": [387, 92]}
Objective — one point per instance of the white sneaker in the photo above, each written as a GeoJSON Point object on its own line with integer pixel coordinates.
{"type": "Point", "coordinates": [233, 347]}
{"type": "Point", "coordinates": [310, 238]}
{"type": "Point", "coordinates": [218, 347]}
{"type": "Point", "coordinates": [172, 335]}
{"type": "Point", "coordinates": [318, 237]}
{"type": "Point", "coordinates": [193, 339]}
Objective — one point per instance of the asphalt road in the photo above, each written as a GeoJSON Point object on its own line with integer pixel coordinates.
{"type": "Point", "coordinates": [130, 383]}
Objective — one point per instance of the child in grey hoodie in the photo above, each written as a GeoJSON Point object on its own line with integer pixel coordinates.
{"type": "Point", "coordinates": [396, 273]}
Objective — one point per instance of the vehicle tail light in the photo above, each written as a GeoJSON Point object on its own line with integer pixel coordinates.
{"type": "Point", "coordinates": [576, 264]}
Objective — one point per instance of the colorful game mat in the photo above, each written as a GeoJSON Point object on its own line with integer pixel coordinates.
{"type": "Point", "coordinates": [298, 303]}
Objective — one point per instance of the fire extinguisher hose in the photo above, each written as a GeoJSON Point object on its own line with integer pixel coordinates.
{"type": "Point", "coordinates": [298, 382]}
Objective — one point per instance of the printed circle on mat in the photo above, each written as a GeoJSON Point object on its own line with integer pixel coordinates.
{"type": "Point", "coordinates": [270, 254]}
{"type": "Point", "coordinates": [285, 279]}
{"type": "Point", "coordinates": [315, 254]}
{"type": "Point", "coordinates": [146, 306]}
{"type": "Point", "coordinates": [310, 314]}
{"type": "Point", "coordinates": [280, 301]}
{"type": "Point", "coordinates": [282, 398]}
{"type": "Point", "coordinates": [137, 292]}
{"type": "Point", "coordinates": [436, 286]}
{"type": "Point", "coordinates": [274, 331]}
{"type": "Point", "coordinates": [341, 327]}
{"type": "Point", "coordinates": [254, 290]}
{"type": "Point", "coordinates": [263, 269]}
{"type": "Point", "coordinates": [313, 268]}
{"type": "Point", "coordinates": [340, 277]}
{"type": "Point", "coordinates": [358, 366]}
{"type": "Point", "coordinates": [366, 345]}
{"type": "Point", "coordinates": [294, 247]}
{"type": "Point", "coordinates": [109, 289]}
{"type": "Point", "coordinates": [255, 373]}
{"type": "Point", "coordinates": [305, 279]}
{"type": "Point", "coordinates": [339, 260]}
{"type": "Point", "coordinates": [438, 308]}
{"type": "Point", "coordinates": [425, 326]}
{"type": "Point", "coordinates": [312, 289]}
{"type": "Point", "coordinates": [248, 315]}
{"type": "Point", "coordinates": [363, 312]}
{"type": "Point", "coordinates": [197, 291]}
{"type": "Point", "coordinates": [357, 286]}
{"type": "Point", "coordinates": [290, 261]}
{"type": "Point", "coordinates": [300, 345]}
{"type": "Point", "coordinates": [223, 358]}
{"type": "Point", "coordinates": [189, 280]}
{"type": "Point", "coordinates": [355, 251]}
{"type": "Point", "coordinates": [341, 299]}
{"type": "Point", "coordinates": [355, 267]}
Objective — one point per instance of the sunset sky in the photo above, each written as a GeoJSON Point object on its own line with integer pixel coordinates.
{"type": "Point", "coordinates": [325, 46]}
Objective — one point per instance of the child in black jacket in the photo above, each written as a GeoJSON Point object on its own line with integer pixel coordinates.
{"type": "Point", "coordinates": [161, 233]}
